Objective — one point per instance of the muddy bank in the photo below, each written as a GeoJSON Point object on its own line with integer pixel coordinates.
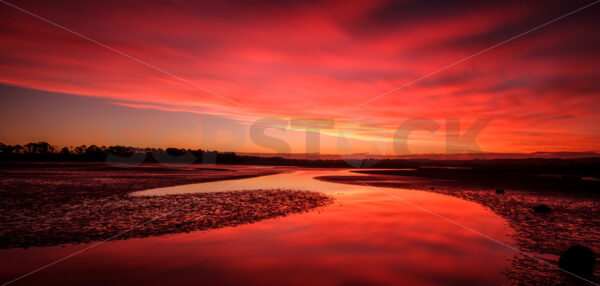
{"type": "Point", "coordinates": [575, 218]}
{"type": "Point", "coordinates": [101, 218]}
{"type": "Point", "coordinates": [44, 204]}
{"type": "Point", "coordinates": [34, 185]}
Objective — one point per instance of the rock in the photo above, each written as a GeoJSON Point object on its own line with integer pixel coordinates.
{"type": "Point", "coordinates": [578, 259]}
{"type": "Point", "coordinates": [500, 191]}
{"type": "Point", "coordinates": [542, 209]}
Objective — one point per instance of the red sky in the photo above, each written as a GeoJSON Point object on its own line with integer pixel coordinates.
{"type": "Point", "coordinates": [294, 59]}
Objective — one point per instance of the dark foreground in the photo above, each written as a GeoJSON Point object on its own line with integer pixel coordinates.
{"type": "Point", "coordinates": [45, 204]}
{"type": "Point", "coordinates": [51, 204]}
{"type": "Point", "coordinates": [574, 217]}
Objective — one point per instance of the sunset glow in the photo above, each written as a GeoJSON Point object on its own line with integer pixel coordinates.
{"type": "Point", "coordinates": [242, 61]}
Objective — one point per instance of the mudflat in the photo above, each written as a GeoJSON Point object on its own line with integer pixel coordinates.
{"type": "Point", "coordinates": [45, 204]}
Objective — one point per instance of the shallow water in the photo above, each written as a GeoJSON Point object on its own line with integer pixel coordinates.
{"type": "Point", "coordinates": [368, 236]}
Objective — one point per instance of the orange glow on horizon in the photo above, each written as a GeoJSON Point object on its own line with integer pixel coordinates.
{"type": "Point", "coordinates": [314, 60]}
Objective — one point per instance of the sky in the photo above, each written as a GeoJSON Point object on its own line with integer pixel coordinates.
{"type": "Point", "coordinates": [198, 74]}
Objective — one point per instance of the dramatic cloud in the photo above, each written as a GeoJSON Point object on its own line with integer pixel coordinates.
{"type": "Point", "coordinates": [314, 59]}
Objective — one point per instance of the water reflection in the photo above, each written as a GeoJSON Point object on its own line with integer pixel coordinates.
{"type": "Point", "coordinates": [365, 237]}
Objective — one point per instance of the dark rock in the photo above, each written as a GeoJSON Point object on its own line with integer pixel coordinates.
{"type": "Point", "coordinates": [499, 191]}
{"type": "Point", "coordinates": [578, 259]}
{"type": "Point", "coordinates": [542, 209]}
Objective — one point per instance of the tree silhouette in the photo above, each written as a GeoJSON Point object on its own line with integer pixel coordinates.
{"type": "Point", "coordinates": [39, 148]}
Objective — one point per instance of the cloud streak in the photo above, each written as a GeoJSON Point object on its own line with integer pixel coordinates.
{"type": "Point", "coordinates": [312, 59]}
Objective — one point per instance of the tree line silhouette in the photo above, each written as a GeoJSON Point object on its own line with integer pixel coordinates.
{"type": "Point", "coordinates": [43, 151]}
